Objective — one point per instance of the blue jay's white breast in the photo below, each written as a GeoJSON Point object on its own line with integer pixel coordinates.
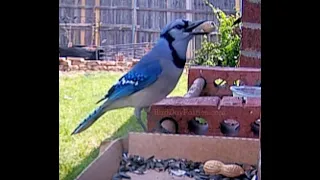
{"type": "Point", "coordinates": [160, 89]}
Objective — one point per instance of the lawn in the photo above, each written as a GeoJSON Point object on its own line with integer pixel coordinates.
{"type": "Point", "coordinates": [78, 93]}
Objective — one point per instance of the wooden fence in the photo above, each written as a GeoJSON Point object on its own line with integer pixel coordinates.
{"type": "Point", "coordinates": [111, 22]}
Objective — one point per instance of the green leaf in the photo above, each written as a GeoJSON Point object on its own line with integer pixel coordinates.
{"type": "Point", "coordinates": [226, 49]}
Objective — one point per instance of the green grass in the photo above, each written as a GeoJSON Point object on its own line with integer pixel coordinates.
{"type": "Point", "coordinates": [78, 93]}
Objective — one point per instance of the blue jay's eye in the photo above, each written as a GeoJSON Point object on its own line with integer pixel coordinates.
{"type": "Point", "coordinates": [179, 26]}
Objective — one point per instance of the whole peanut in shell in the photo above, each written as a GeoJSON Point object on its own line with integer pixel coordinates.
{"type": "Point", "coordinates": [213, 167]}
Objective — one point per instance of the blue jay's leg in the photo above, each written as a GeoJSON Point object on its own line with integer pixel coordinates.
{"type": "Point", "coordinates": [137, 113]}
{"type": "Point", "coordinates": [147, 109]}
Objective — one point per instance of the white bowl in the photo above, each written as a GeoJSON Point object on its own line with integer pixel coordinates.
{"type": "Point", "coordinates": [246, 91]}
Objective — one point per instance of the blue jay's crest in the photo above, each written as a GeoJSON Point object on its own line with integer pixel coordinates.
{"type": "Point", "coordinates": [178, 23]}
{"type": "Point", "coordinates": [181, 28]}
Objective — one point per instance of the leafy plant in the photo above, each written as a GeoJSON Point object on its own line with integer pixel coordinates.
{"type": "Point", "coordinates": [201, 120]}
{"type": "Point", "coordinates": [224, 52]}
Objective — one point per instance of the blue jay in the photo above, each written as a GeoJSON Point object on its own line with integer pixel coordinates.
{"type": "Point", "coordinates": [152, 78]}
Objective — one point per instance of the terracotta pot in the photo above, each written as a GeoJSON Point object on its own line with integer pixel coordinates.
{"type": "Point", "coordinates": [255, 127]}
{"type": "Point", "coordinates": [230, 127]}
{"type": "Point", "coordinates": [198, 128]}
{"type": "Point", "coordinates": [167, 125]}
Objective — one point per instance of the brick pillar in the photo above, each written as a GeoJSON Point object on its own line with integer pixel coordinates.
{"type": "Point", "coordinates": [251, 34]}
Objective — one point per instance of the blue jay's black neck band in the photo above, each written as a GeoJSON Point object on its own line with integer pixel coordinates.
{"type": "Point", "coordinates": [178, 62]}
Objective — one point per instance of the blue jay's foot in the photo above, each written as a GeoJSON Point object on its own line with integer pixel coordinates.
{"type": "Point", "coordinates": [137, 113]}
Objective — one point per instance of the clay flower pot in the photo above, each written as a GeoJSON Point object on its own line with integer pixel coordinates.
{"type": "Point", "coordinates": [230, 127]}
{"type": "Point", "coordinates": [167, 125]}
{"type": "Point", "coordinates": [255, 126]}
{"type": "Point", "coordinates": [198, 126]}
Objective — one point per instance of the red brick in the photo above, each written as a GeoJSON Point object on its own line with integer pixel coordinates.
{"type": "Point", "coordinates": [76, 61]}
{"type": "Point", "coordinates": [230, 101]}
{"type": "Point", "coordinates": [61, 68]}
{"type": "Point", "coordinates": [249, 75]}
{"type": "Point", "coordinates": [95, 68]}
{"type": "Point", "coordinates": [121, 63]}
{"type": "Point", "coordinates": [112, 68]}
{"type": "Point", "coordinates": [64, 62]}
{"type": "Point", "coordinates": [122, 68]}
{"type": "Point", "coordinates": [93, 63]}
{"type": "Point", "coordinates": [135, 61]}
{"type": "Point", "coordinates": [184, 109]}
{"type": "Point", "coordinates": [105, 67]}
{"type": "Point", "coordinates": [110, 63]}
{"type": "Point", "coordinates": [252, 102]}
{"type": "Point", "coordinates": [181, 101]}
{"type": "Point", "coordinates": [251, 12]}
{"type": "Point", "coordinates": [102, 68]}
{"type": "Point", "coordinates": [74, 67]}
{"type": "Point", "coordinates": [89, 67]}
{"type": "Point", "coordinates": [250, 62]}
{"type": "Point", "coordinates": [251, 39]}
{"type": "Point", "coordinates": [129, 64]}
{"type": "Point", "coordinates": [104, 63]}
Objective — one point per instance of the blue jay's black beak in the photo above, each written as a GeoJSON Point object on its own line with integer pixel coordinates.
{"type": "Point", "coordinates": [193, 25]}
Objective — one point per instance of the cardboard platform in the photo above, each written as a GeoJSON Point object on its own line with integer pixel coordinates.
{"type": "Point", "coordinates": [154, 175]}
{"type": "Point", "coordinates": [163, 146]}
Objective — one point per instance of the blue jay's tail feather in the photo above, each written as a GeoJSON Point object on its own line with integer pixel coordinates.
{"type": "Point", "coordinates": [89, 120]}
{"type": "Point", "coordinates": [100, 100]}
{"type": "Point", "coordinates": [112, 89]}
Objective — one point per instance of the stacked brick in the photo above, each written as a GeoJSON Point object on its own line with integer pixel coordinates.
{"type": "Point", "coordinates": [213, 108]}
{"type": "Point", "coordinates": [79, 64]}
{"type": "Point", "coordinates": [215, 104]}
{"type": "Point", "coordinates": [247, 76]}
{"type": "Point", "coordinates": [251, 34]}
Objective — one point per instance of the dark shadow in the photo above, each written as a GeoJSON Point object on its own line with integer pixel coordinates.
{"type": "Point", "coordinates": [131, 125]}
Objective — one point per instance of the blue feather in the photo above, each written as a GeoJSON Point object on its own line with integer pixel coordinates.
{"type": "Point", "coordinates": [142, 75]}
{"type": "Point", "coordinates": [147, 71]}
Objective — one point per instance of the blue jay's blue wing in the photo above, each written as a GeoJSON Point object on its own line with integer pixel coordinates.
{"type": "Point", "coordinates": [142, 75]}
